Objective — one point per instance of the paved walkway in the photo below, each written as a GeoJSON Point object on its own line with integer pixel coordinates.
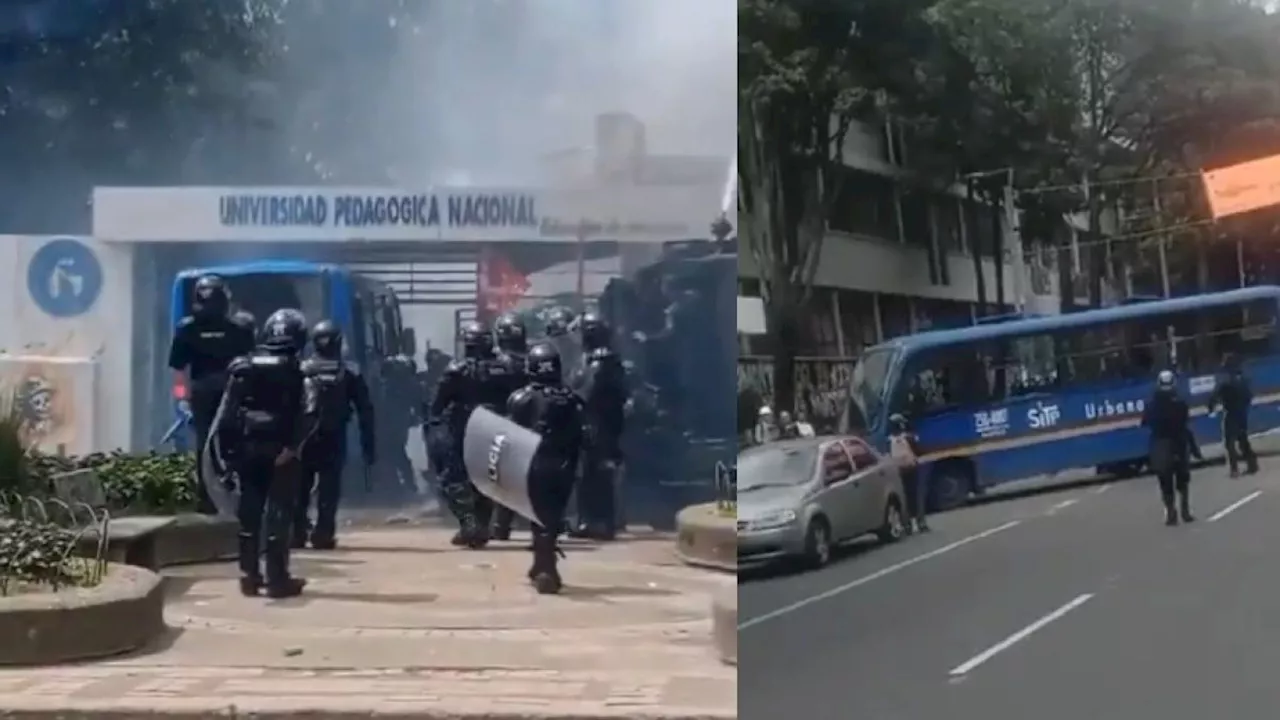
{"type": "Point", "coordinates": [398, 624]}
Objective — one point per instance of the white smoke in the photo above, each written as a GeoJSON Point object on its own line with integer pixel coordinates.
{"type": "Point", "coordinates": [483, 88]}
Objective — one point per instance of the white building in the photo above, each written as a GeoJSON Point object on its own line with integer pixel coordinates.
{"type": "Point", "coordinates": [897, 260]}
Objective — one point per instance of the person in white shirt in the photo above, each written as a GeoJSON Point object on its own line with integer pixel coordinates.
{"type": "Point", "coordinates": [767, 429]}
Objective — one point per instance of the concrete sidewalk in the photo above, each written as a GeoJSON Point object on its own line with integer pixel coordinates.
{"type": "Point", "coordinates": [398, 624]}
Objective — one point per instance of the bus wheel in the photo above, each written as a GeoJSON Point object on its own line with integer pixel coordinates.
{"type": "Point", "coordinates": [949, 486]}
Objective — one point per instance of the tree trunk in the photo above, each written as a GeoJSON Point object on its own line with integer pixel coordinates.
{"type": "Point", "coordinates": [997, 252]}
{"type": "Point", "coordinates": [975, 248]}
{"type": "Point", "coordinates": [783, 323]}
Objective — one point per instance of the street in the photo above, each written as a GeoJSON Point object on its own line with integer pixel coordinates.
{"type": "Point", "coordinates": [1058, 607]}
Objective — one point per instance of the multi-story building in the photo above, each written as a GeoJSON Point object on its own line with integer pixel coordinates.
{"type": "Point", "coordinates": [897, 259]}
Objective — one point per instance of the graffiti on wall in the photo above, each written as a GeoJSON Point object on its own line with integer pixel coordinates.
{"type": "Point", "coordinates": [822, 385]}
{"type": "Point", "coordinates": [43, 396]}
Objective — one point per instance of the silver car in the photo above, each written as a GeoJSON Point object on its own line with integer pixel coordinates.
{"type": "Point", "coordinates": [800, 498]}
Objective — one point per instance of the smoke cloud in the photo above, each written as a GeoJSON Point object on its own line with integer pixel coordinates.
{"type": "Point", "coordinates": [477, 91]}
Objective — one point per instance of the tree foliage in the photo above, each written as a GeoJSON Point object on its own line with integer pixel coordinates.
{"type": "Point", "coordinates": [1091, 104]}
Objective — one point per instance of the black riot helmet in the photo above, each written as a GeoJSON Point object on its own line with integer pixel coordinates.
{"type": "Point", "coordinates": [285, 331]}
{"type": "Point", "coordinates": [543, 364]}
{"type": "Point", "coordinates": [210, 297]}
{"type": "Point", "coordinates": [559, 319]}
{"type": "Point", "coordinates": [326, 338]}
{"type": "Point", "coordinates": [511, 333]}
{"type": "Point", "coordinates": [595, 332]}
{"type": "Point", "coordinates": [477, 341]}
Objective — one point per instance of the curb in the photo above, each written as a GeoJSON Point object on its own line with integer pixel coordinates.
{"type": "Point", "coordinates": [724, 624]}
{"type": "Point", "coordinates": [707, 539]}
{"type": "Point", "coordinates": [385, 712]}
{"type": "Point", "coordinates": [196, 539]}
{"type": "Point", "coordinates": [123, 613]}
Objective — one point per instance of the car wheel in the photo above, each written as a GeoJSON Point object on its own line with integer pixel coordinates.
{"type": "Point", "coordinates": [817, 543]}
{"type": "Point", "coordinates": [894, 527]}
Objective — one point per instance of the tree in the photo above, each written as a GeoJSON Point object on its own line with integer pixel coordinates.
{"type": "Point", "coordinates": [996, 104]}
{"type": "Point", "coordinates": [805, 71]}
{"type": "Point", "coordinates": [126, 95]}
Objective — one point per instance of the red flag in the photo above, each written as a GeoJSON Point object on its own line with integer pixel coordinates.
{"type": "Point", "coordinates": [501, 284]}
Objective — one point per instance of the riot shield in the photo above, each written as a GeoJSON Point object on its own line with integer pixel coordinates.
{"type": "Point", "coordinates": [223, 499]}
{"type": "Point", "coordinates": [497, 454]}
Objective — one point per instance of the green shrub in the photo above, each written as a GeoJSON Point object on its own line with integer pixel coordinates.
{"type": "Point", "coordinates": [15, 475]}
{"type": "Point", "coordinates": [39, 554]}
{"type": "Point", "coordinates": [133, 482]}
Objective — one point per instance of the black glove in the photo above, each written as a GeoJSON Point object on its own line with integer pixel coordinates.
{"type": "Point", "coordinates": [230, 481]}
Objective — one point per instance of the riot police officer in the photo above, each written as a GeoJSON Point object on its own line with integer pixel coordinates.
{"type": "Point", "coordinates": [204, 344]}
{"type": "Point", "coordinates": [1168, 419]}
{"type": "Point", "coordinates": [261, 429]}
{"type": "Point", "coordinates": [456, 395]}
{"type": "Point", "coordinates": [338, 391]}
{"type": "Point", "coordinates": [549, 408]}
{"type": "Point", "coordinates": [1235, 396]}
{"type": "Point", "coordinates": [603, 386]}
{"type": "Point", "coordinates": [559, 325]}
{"type": "Point", "coordinates": [513, 346]}
{"type": "Point", "coordinates": [496, 376]}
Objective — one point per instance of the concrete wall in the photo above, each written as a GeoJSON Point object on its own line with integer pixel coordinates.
{"type": "Point", "coordinates": [86, 356]}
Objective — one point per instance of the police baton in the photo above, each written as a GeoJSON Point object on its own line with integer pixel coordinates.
{"type": "Point", "coordinates": [368, 478]}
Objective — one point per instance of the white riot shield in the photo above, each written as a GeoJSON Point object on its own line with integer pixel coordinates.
{"type": "Point", "coordinates": [497, 454]}
{"type": "Point", "coordinates": [223, 499]}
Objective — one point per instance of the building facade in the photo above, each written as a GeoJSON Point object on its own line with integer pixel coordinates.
{"type": "Point", "coordinates": [898, 260]}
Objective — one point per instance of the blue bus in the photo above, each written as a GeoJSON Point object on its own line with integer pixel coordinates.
{"type": "Point", "coordinates": [367, 311]}
{"type": "Point", "coordinates": [1016, 397]}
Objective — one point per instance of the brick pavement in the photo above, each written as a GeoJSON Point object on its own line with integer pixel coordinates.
{"type": "Point", "coordinates": [398, 625]}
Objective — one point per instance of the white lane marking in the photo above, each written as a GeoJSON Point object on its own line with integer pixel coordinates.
{"type": "Point", "coordinates": [853, 584]}
{"type": "Point", "coordinates": [969, 665]}
{"type": "Point", "coordinates": [1235, 506]}
{"type": "Point", "coordinates": [1062, 506]}
{"type": "Point", "coordinates": [1101, 489]}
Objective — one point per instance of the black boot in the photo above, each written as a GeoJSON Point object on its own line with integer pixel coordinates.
{"type": "Point", "coordinates": [280, 584]}
{"type": "Point", "coordinates": [503, 517]}
{"type": "Point", "coordinates": [250, 567]}
{"type": "Point", "coordinates": [1170, 515]}
{"type": "Point", "coordinates": [1185, 508]}
{"type": "Point", "coordinates": [544, 574]}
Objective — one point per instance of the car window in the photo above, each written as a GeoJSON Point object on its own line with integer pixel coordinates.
{"type": "Point", "coordinates": [862, 454]}
{"type": "Point", "coordinates": [836, 465]}
{"type": "Point", "coordinates": [774, 465]}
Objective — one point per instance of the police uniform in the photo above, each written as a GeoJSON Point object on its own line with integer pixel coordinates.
{"type": "Point", "coordinates": [203, 346]}
{"type": "Point", "coordinates": [512, 349]}
{"type": "Point", "coordinates": [1168, 419]}
{"type": "Point", "coordinates": [1233, 393]}
{"type": "Point", "coordinates": [456, 395]}
{"type": "Point", "coordinates": [602, 384]}
{"type": "Point", "coordinates": [553, 411]}
{"type": "Point", "coordinates": [495, 378]}
{"type": "Point", "coordinates": [339, 390]}
{"type": "Point", "coordinates": [261, 429]}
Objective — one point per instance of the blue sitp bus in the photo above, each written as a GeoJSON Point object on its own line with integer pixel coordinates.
{"type": "Point", "coordinates": [366, 310]}
{"type": "Point", "coordinates": [1016, 397]}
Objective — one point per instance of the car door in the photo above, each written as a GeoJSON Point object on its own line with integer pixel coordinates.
{"type": "Point", "coordinates": [839, 499]}
{"type": "Point", "coordinates": [871, 477]}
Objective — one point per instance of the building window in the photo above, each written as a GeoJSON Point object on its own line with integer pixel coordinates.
{"type": "Point", "coordinates": [895, 315]}
{"type": "Point", "coordinates": [865, 205]}
{"type": "Point", "coordinates": [857, 320]}
{"type": "Point", "coordinates": [915, 218]}
{"type": "Point", "coordinates": [947, 213]}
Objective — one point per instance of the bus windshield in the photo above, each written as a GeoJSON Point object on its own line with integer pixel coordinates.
{"type": "Point", "coordinates": [870, 375]}
{"type": "Point", "coordinates": [263, 293]}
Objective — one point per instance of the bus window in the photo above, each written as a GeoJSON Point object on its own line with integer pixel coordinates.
{"type": "Point", "coordinates": [939, 379]}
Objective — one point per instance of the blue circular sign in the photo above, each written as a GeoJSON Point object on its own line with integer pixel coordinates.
{"type": "Point", "coordinates": [64, 278]}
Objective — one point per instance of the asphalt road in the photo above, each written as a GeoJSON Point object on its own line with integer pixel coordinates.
{"type": "Point", "coordinates": [1064, 606]}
